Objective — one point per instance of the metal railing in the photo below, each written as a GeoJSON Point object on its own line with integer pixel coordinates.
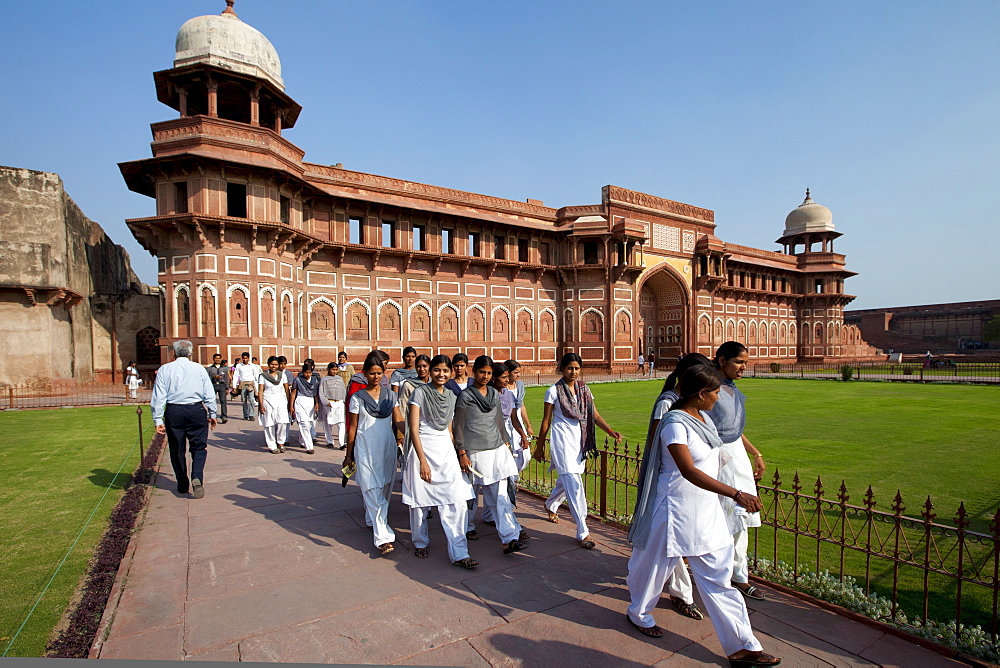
{"type": "Point", "coordinates": [927, 569]}
{"type": "Point", "coordinates": [939, 371]}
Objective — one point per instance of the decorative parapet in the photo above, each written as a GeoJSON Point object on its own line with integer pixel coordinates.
{"type": "Point", "coordinates": [632, 199]}
{"type": "Point", "coordinates": [260, 139]}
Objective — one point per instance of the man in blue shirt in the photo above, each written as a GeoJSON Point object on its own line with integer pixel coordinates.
{"type": "Point", "coordinates": [183, 406]}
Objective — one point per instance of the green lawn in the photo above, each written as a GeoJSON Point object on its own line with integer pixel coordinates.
{"type": "Point", "coordinates": [921, 440]}
{"type": "Point", "coordinates": [55, 466]}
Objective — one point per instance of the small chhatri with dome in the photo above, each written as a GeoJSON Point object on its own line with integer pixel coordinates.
{"type": "Point", "coordinates": [262, 251]}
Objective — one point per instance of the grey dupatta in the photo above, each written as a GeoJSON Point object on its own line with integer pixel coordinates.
{"type": "Point", "coordinates": [406, 390]}
{"type": "Point", "coordinates": [436, 408]}
{"type": "Point", "coordinates": [649, 471]}
{"type": "Point", "coordinates": [479, 422]}
{"type": "Point", "coordinates": [729, 412]}
{"type": "Point", "coordinates": [380, 409]}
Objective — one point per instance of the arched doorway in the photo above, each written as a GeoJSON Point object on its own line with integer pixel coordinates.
{"type": "Point", "coordinates": [663, 307]}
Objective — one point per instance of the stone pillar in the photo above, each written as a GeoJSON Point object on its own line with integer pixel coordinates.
{"type": "Point", "coordinates": [255, 106]}
{"type": "Point", "coordinates": [213, 99]}
{"type": "Point", "coordinates": [277, 120]}
{"type": "Point", "coordinates": [183, 104]}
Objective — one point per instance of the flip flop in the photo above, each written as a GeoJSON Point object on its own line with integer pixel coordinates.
{"type": "Point", "coordinates": [653, 631]}
{"type": "Point", "coordinates": [513, 546]}
{"type": "Point", "coordinates": [386, 548]}
{"type": "Point", "coordinates": [750, 592]}
{"type": "Point", "coordinates": [554, 518]}
{"type": "Point", "coordinates": [468, 563]}
{"type": "Point", "coordinates": [759, 658]}
{"type": "Point", "coordinates": [587, 544]}
{"type": "Point", "coordinates": [687, 609]}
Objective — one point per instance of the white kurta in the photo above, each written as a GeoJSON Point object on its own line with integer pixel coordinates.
{"type": "Point", "coordinates": [374, 448]}
{"type": "Point", "coordinates": [448, 484]}
{"type": "Point", "coordinates": [495, 465]}
{"type": "Point", "coordinates": [564, 438]}
{"type": "Point", "coordinates": [691, 517]}
{"type": "Point", "coordinates": [737, 471]}
{"type": "Point", "coordinates": [275, 403]}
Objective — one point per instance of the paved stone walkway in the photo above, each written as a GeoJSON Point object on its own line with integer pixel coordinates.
{"type": "Point", "coordinates": [276, 564]}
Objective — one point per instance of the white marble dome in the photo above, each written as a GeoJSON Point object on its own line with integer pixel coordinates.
{"type": "Point", "coordinates": [226, 41]}
{"type": "Point", "coordinates": [809, 217]}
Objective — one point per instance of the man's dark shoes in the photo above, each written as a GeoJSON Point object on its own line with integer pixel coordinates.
{"type": "Point", "coordinates": [472, 535]}
{"type": "Point", "coordinates": [224, 420]}
{"type": "Point", "coordinates": [197, 489]}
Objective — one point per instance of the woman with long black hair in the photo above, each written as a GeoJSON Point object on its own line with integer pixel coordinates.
{"type": "Point", "coordinates": [742, 463]}
{"type": "Point", "coordinates": [571, 415]}
{"type": "Point", "coordinates": [678, 515]}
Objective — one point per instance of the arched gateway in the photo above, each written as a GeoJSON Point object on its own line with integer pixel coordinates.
{"type": "Point", "coordinates": [664, 308]}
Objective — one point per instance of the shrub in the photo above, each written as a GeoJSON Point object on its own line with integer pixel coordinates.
{"type": "Point", "coordinates": [775, 367]}
{"type": "Point", "coordinates": [846, 372]}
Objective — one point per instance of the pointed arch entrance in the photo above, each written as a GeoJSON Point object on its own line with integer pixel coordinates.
{"type": "Point", "coordinates": [664, 308]}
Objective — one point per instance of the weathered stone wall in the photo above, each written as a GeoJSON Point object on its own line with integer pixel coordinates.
{"type": "Point", "coordinates": [54, 262]}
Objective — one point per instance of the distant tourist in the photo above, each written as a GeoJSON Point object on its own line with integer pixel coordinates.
{"type": "Point", "coordinates": [678, 515]}
{"type": "Point", "coordinates": [572, 416]}
{"type": "Point", "coordinates": [344, 370]}
{"type": "Point", "coordinates": [652, 362]}
{"type": "Point", "coordinates": [332, 414]}
{"type": "Point", "coordinates": [743, 463]}
{"type": "Point", "coordinates": [371, 446]}
{"type": "Point", "coordinates": [408, 370]}
{"type": "Point", "coordinates": [245, 379]}
{"type": "Point", "coordinates": [433, 475]}
{"type": "Point", "coordinates": [642, 364]}
{"type": "Point", "coordinates": [132, 380]}
{"type": "Point", "coordinates": [273, 397]}
{"type": "Point", "coordinates": [459, 374]}
{"type": "Point", "coordinates": [183, 406]}
{"type": "Point", "coordinates": [218, 374]}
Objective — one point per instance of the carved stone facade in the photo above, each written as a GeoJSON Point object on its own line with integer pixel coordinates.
{"type": "Point", "coordinates": [261, 251]}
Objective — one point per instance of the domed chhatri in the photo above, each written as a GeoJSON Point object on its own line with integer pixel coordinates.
{"type": "Point", "coordinates": [809, 217]}
{"type": "Point", "coordinates": [226, 41]}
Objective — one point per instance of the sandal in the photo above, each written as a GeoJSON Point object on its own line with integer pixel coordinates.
{"type": "Point", "coordinates": [759, 658]}
{"type": "Point", "coordinates": [281, 448]}
{"type": "Point", "coordinates": [471, 535]}
{"type": "Point", "coordinates": [653, 631]}
{"type": "Point", "coordinates": [523, 536]}
{"type": "Point", "coordinates": [587, 544]}
{"type": "Point", "coordinates": [553, 517]}
{"type": "Point", "coordinates": [468, 563]}
{"type": "Point", "coordinates": [420, 553]}
{"type": "Point", "coordinates": [687, 609]}
{"type": "Point", "coordinates": [750, 591]}
{"type": "Point", "coordinates": [513, 546]}
{"type": "Point", "coordinates": [386, 548]}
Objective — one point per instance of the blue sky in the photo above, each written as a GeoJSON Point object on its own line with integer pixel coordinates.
{"type": "Point", "coordinates": [889, 111]}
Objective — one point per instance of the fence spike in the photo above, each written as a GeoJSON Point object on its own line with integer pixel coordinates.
{"type": "Point", "coordinates": [776, 481]}
{"type": "Point", "coordinates": [870, 498]}
{"type": "Point", "coordinates": [897, 504]}
{"type": "Point", "coordinates": [928, 511]}
{"type": "Point", "coordinates": [638, 451]}
{"type": "Point", "coordinates": [995, 525]}
{"type": "Point", "coordinates": [818, 487]}
{"type": "Point", "coordinates": [796, 485]}
{"type": "Point", "coordinates": [962, 518]}
{"type": "Point", "coordinates": [842, 495]}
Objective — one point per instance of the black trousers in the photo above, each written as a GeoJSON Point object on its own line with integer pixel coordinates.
{"type": "Point", "coordinates": [221, 400]}
{"type": "Point", "coordinates": [187, 429]}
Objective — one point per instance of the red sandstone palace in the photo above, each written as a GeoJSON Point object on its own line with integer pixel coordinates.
{"type": "Point", "coordinates": [261, 250]}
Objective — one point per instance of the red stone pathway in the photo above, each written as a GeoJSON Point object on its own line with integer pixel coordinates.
{"type": "Point", "coordinates": [276, 564]}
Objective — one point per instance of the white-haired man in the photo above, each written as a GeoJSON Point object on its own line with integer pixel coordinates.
{"type": "Point", "coordinates": [183, 406]}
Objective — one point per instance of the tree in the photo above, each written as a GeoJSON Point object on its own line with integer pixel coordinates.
{"type": "Point", "coordinates": [991, 330]}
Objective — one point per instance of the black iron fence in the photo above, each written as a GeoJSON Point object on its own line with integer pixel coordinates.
{"type": "Point", "coordinates": [69, 393]}
{"type": "Point", "coordinates": [928, 371]}
{"type": "Point", "coordinates": [927, 568]}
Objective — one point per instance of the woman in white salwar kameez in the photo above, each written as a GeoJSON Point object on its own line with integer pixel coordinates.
{"type": "Point", "coordinates": [272, 406]}
{"type": "Point", "coordinates": [332, 411]}
{"type": "Point", "coordinates": [742, 462]}
{"type": "Point", "coordinates": [521, 445]}
{"type": "Point", "coordinates": [371, 446]}
{"type": "Point", "coordinates": [678, 515]}
{"type": "Point", "coordinates": [480, 432]}
{"type": "Point", "coordinates": [572, 416]}
{"type": "Point", "coordinates": [434, 474]}
{"type": "Point", "coordinates": [678, 586]}
{"type": "Point", "coordinates": [305, 404]}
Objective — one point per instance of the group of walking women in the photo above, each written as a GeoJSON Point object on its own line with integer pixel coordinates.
{"type": "Point", "coordinates": [697, 496]}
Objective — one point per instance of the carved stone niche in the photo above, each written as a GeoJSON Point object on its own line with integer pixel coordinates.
{"type": "Point", "coordinates": [389, 322]}
{"type": "Point", "coordinates": [420, 324]}
{"type": "Point", "coordinates": [524, 328]}
{"type": "Point", "coordinates": [476, 325]}
{"type": "Point", "coordinates": [590, 327]}
{"type": "Point", "coordinates": [546, 327]}
{"type": "Point", "coordinates": [623, 327]}
{"type": "Point", "coordinates": [322, 321]}
{"type": "Point", "coordinates": [501, 326]}
{"type": "Point", "coordinates": [357, 323]}
{"type": "Point", "coordinates": [448, 325]}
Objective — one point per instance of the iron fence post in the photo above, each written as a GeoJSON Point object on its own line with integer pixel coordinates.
{"type": "Point", "coordinates": [604, 483]}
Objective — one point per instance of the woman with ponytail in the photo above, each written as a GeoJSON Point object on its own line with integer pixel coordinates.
{"type": "Point", "coordinates": [678, 515]}
{"type": "Point", "coordinates": [572, 416]}
{"type": "Point", "coordinates": [742, 462]}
